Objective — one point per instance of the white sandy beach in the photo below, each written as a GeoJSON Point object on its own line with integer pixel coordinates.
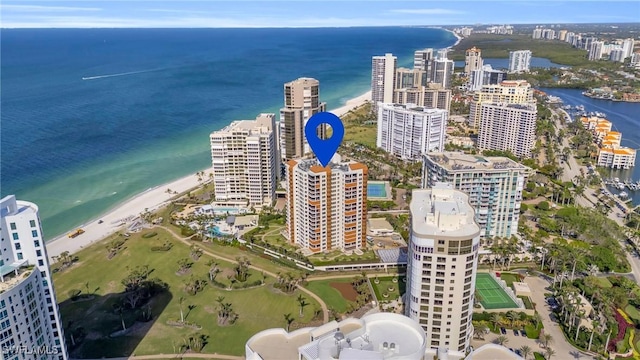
{"type": "Point", "coordinates": [151, 199]}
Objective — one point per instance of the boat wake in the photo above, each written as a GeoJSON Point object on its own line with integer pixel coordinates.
{"type": "Point", "coordinates": [118, 74]}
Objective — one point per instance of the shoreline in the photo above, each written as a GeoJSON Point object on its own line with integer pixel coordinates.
{"type": "Point", "coordinates": [458, 37]}
{"type": "Point", "coordinates": [150, 199]}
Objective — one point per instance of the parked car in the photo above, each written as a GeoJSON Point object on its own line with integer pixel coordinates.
{"type": "Point", "coordinates": [503, 331]}
{"type": "Point", "coordinates": [523, 333]}
{"type": "Point", "coordinates": [515, 332]}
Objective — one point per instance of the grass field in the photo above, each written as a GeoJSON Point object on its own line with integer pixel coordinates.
{"type": "Point", "coordinates": [509, 278]}
{"type": "Point", "coordinates": [258, 308]}
{"type": "Point", "coordinates": [330, 295]}
{"type": "Point", "coordinates": [492, 296]}
{"type": "Point", "coordinates": [386, 283]}
{"type": "Point", "coordinates": [632, 312]}
{"type": "Point", "coordinates": [604, 282]}
{"type": "Point", "coordinates": [356, 128]}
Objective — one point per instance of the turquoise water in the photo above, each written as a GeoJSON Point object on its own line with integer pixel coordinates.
{"type": "Point", "coordinates": [376, 190]}
{"type": "Point", "coordinates": [78, 148]}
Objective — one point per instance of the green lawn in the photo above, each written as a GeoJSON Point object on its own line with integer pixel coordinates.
{"type": "Point", "coordinates": [632, 312]}
{"type": "Point", "coordinates": [258, 308]}
{"type": "Point", "coordinates": [356, 128]}
{"type": "Point", "coordinates": [527, 302]}
{"type": "Point", "coordinates": [386, 283]}
{"type": "Point", "coordinates": [538, 356]}
{"type": "Point", "coordinates": [603, 282]}
{"type": "Point", "coordinates": [509, 278]}
{"type": "Point", "coordinates": [331, 296]}
{"type": "Point", "coordinates": [533, 332]}
{"type": "Point", "coordinates": [338, 257]}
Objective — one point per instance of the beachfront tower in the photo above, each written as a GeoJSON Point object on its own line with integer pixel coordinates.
{"type": "Point", "coordinates": [326, 206]}
{"type": "Point", "coordinates": [508, 127]}
{"type": "Point", "coordinates": [301, 102]}
{"type": "Point", "coordinates": [29, 314]}
{"type": "Point", "coordinates": [441, 272]}
{"type": "Point", "coordinates": [383, 71]}
{"type": "Point", "coordinates": [422, 59]}
{"type": "Point", "coordinates": [442, 70]}
{"type": "Point", "coordinates": [244, 157]}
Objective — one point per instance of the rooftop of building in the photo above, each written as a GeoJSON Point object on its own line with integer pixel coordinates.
{"type": "Point", "coordinates": [515, 83]}
{"type": "Point", "coordinates": [381, 336]}
{"type": "Point", "coordinates": [459, 161]}
{"type": "Point", "coordinates": [336, 164]}
{"type": "Point", "coordinates": [412, 108]}
{"type": "Point", "coordinates": [262, 124]}
{"type": "Point", "coordinates": [13, 274]}
{"type": "Point", "coordinates": [304, 81]}
{"type": "Point", "coordinates": [9, 206]}
{"type": "Point", "coordinates": [442, 211]}
{"type": "Point", "coordinates": [492, 352]}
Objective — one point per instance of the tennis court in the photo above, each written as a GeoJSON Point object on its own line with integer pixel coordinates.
{"type": "Point", "coordinates": [491, 295]}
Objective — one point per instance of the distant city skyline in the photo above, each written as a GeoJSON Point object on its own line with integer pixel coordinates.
{"type": "Point", "coordinates": [225, 14]}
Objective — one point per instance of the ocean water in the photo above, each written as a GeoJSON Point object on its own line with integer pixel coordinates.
{"type": "Point", "coordinates": [149, 98]}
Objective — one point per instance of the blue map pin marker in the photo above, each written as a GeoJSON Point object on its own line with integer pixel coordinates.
{"type": "Point", "coordinates": [324, 148]}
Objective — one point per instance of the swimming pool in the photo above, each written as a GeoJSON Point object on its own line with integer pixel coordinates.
{"type": "Point", "coordinates": [215, 231]}
{"type": "Point", "coordinates": [376, 190]}
{"type": "Point", "coordinates": [222, 210]}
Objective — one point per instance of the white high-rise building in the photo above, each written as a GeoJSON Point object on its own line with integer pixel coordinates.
{"type": "Point", "coordinates": [494, 185]}
{"type": "Point", "coordinates": [635, 60]}
{"type": "Point", "coordinates": [617, 55]}
{"type": "Point", "coordinates": [408, 131]}
{"type": "Point", "coordinates": [441, 70]}
{"type": "Point", "coordinates": [627, 47]}
{"type": "Point", "coordinates": [383, 71]}
{"type": "Point", "coordinates": [442, 265]}
{"type": "Point", "coordinates": [326, 206]}
{"type": "Point", "coordinates": [595, 50]}
{"type": "Point", "coordinates": [508, 91]}
{"type": "Point", "coordinates": [508, 127]}
{"type": "Point", "coordinates": [245, 162]}
{"type": "Point", "coordinates": [422, 59]}
{"type": "Point", "coordinates": [29, 314]}
{"type": "Point", "coordinates": [485, 76]}
{"type": "Point", "coordinates": [537, 33]}
{"type": "Point", "coordinates": [519, 61]}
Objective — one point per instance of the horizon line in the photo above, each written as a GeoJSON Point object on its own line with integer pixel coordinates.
{"type": "Point", "coordinates": [326, 27]}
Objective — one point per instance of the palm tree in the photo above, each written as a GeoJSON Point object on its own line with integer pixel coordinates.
{"type": "Point", "coordinates": [525, 351]}
{"type": "Point", "coordinates": [501, 340]}
{"type": "Point", "coordinates": [548, 353]}
{"type": "Point", "coordinates": [288, 319]}
{"type": "Point", "coordinates": [595, 325]}
{"type": "Point", "coordinates": [495, 319]}
{"type": "Point", "coordinates": [512, 316]}
{"type": "Point", "coordinates": [302, 302]}
{"type": "Point", "coordinates": [479, 330]}
{"type": "Point", "coordinates": [546, 339]}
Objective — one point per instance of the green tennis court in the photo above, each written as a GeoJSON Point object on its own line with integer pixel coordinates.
{"type": "Point", "coordinates": [491, 295]}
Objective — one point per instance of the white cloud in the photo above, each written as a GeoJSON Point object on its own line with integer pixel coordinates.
{"type": "Point", "coordinates": [41, 8]}
{"type": "Point", "coordinates": [434, 11]}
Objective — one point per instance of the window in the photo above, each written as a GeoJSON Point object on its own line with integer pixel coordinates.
{"type": "Point", "coordinates": [18, 246]}
{"type": "Point", "coordinates": [32, 223]}
{"type": "Point", "coordinates": [38, 252]}
{"type": "Point", "coordinates": [36, 243]}
{"type": "Point", "coordinates": [34, 233]}
{"type": "Point", "coordinates": [13, 226]}
{"type": "Point", "coordinates": [19, 255]}
{"type": "Point", "coordinates": [15, 236]}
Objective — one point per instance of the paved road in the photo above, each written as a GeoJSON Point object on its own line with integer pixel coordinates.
{"type": "Point", "coordinates": [563, 349]}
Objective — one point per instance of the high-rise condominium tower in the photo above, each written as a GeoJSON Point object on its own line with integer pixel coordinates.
{"type": "Point", "coordinates": [412, 87]}
{"type": "Point", "coordinates": [383, 71]}
{"type": "Point", "coordinates": [245, 162]}
{"type": "Point", "coordinates": [326, 206]}
{"type": "Point", "coordinates": [29, 315]}
{"type": "Point", "coordinates": [519, 61]}
{"type": "Point", "coordinates": [301, 102]}
{"type": "Point", "coordinates": [409, 131]}
{"type": "Point", "coordinates": [472, 60]}
{"type": "Point", "coordinates": [422, 59]}
{"type": "Point", "coordinates": [509, 91]}
{"type": "Point", "coordinates": [442, 70]}
{"type": "Point", "coordinates": [494, 185]}
{"type": "Point", "coordinates": [509, 127]}
{"type": "Point", "coordinates": [441, 272]}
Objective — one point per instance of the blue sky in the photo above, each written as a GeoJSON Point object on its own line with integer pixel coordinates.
{"type": "Point", "coordinates": [307, 13]}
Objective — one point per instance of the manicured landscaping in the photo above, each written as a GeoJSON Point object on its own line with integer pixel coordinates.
{"type": "Point", "coordinates": [509, 278]}
{"type": "Point", "coordinates": [360, 126]}
{"type": "Point", "coordinates": [258, 308]}
{"type": "Point", "coordinates": [632, 311]}
{"type": "Point", "coordinates": [386, 285]}
{"type": "Point", "coordinates": [603, 282]}
{"type": "Point", "coordinates": [533, 332]}
{"type": "Point", "coordinates": [329, 294]}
